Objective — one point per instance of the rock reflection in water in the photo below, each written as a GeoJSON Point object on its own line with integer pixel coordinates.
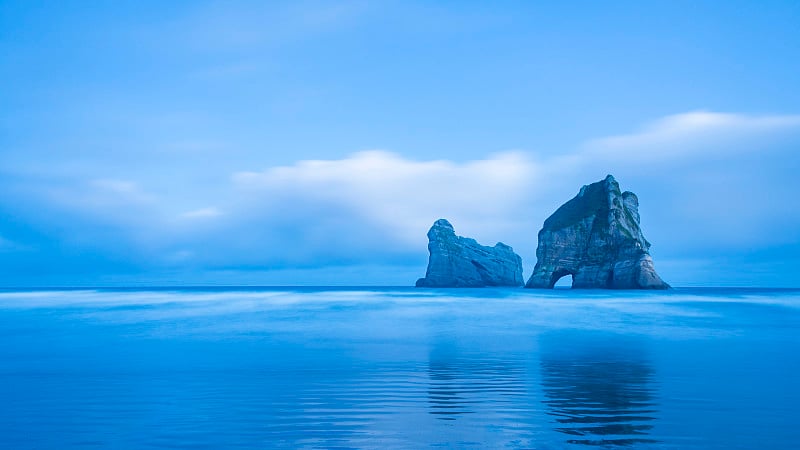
{"type": "Point", "coordinates": [598, 388]}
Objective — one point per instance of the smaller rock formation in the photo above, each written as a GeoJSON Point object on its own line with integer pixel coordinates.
{"type": "Point", "coordinates": [595, 237]}
{"type": "Point", "coordinates": [457, 261]}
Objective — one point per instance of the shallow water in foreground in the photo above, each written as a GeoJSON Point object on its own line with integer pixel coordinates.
{"type": "Point", "coordinates": [399, 368]}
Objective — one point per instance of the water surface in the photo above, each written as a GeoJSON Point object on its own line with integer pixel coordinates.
{"type": "Point", "coordinates": [399, 368]}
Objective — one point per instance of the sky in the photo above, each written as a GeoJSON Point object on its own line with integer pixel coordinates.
{"type": "Point", "coordinates": [314, 143]}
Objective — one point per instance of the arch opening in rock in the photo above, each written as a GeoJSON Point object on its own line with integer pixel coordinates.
{"type": "Point", "coordinates": [562, 279]}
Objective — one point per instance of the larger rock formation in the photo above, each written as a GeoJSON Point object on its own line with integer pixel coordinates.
{"type": "Point", "coordinates": [457, 261]}
{"type": "Point", "coordinates": [595, 237]}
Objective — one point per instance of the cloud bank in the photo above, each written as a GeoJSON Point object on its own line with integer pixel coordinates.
{"type": "Point", "coordinates": [711, 186]}
{"type": "Point", "coordinates": [403, 196]}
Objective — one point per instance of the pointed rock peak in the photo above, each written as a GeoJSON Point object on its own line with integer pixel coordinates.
{"type": "Point", "coordinates": [457, 261]}
{"type": "Point", "coordinates": [608, 184]}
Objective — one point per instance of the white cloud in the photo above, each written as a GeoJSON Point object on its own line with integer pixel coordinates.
{"type": "Point", "coordinates": [115, 191]}
{"type": "Point", "coordinates": [405, 196]}
{"type": "Point", "coordinates": [693, 134]}
{"type": "Point", "coordinates": [202, 213]}
{"type": "Point", "coordinates": [700, 124]}
{"type": "Point", "coordinates": [261, 25]}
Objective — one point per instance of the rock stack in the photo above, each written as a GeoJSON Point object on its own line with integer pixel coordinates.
{"type": "Point", "coordinates": [457, 261]}
{"type": "Point", "coordinates": [595, 237]}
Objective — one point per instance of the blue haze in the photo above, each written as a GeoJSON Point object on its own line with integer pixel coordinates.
{"type": "Point", "coordinates": [126, 128]}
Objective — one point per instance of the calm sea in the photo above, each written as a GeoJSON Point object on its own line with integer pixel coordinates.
{"type": "Point", "coordinates": [399, 368]}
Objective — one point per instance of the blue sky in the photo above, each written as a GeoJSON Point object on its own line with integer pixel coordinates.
{"type": "Point", "coordinates": [315, 142]}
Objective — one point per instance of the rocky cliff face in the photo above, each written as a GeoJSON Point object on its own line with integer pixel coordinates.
{"type": "Point", "coordinates": [456, 261]}
{"type": "Point", "coordinates": [596, 238]}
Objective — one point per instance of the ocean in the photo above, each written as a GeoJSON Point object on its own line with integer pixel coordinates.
{"type": "Point", "coordinates": [342, 368]}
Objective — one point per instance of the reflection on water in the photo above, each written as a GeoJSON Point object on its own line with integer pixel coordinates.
{"type": "Point", "coordinates": [599, 389]}
{"type": "Point", "coordinates": [463, 385]}
{"type": "Point", "coordinates": [399, 369]}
